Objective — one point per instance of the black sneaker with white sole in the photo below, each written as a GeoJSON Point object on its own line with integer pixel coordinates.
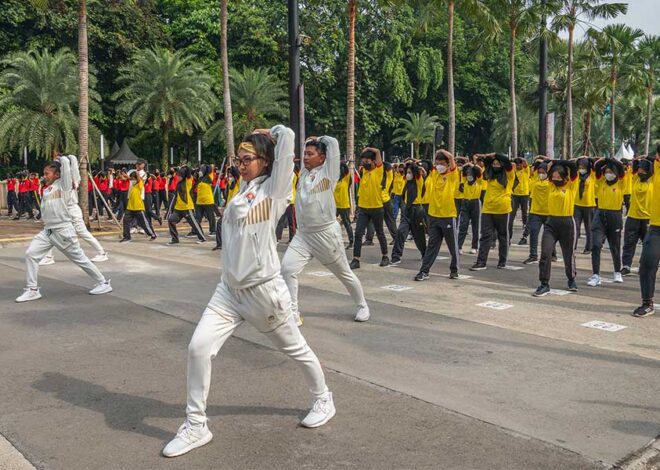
{"type": "Point", "coordinates": [421, 276]}
{"type": "Point", "coordinates": [625, 271]}
{"type": "Point", "coordinates": [644, 310]}
{"type": "Point", "coordinates": [395, 262]}
{"type": "Point", "coordinates": [572, 285]}
{"type": "Point", "coordinates": [542, 290]}
{"type": "Point", "coordinates": [478, 267]}
{"type": "Point", "coordinates": [531, 260]}
{"type": "Point", "coordinates": [385, 261]}
{"type": "Point", "coordinates": [453, 275]}
{"type": "Point", "coordinates": [355, 264]}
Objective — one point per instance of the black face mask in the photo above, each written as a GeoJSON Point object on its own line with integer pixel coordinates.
{"type": "Point", "coordinates": [558, 183]}
{"type": "Point", "coordinates": [497, 169]}
{"type": "Point", "coordinates": [367, 166]}
{"type": "Point", "coordinates": [643, 178]}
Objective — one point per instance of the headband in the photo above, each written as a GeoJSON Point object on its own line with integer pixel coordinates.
{"type": "Point", "coordinates": [247, 147]}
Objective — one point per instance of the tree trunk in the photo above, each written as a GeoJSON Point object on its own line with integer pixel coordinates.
{"type": "Point", "coordinates": [226, 96]}
{"type": "Point", "coordinates": [451, 135]}
{"type": "Point", "coordinates": [612, 112]}
{"type": "Point", "coordinates": [649, 116]}
{"type": "Point", "coordinates": [512, 87]}
{"type": "Point", "coordinates": [350, 99]}
{"type": "Point", "coordinates": [83, 111]}
{"type": "Point", "coordinates": [586, 133]}
{"type": "Point", "coordinates": [165, 149]}
{"type": "Point", "coordinates": [416, 147]}
{"type": "Point", "coordinates": [567, 151]}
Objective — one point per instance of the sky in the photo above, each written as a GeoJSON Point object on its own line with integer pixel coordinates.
{"type": "Point", "coordinates": [642, 14]}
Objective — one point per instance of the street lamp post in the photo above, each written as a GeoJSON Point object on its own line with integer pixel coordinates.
{"type": "Point", "coordinates": [543, 86]}
{"type": "Point", "coordinates": [294, 73]}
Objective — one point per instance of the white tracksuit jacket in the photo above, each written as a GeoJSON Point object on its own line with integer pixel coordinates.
{"type": "Point", "coordinates": [56, 200]}
{"type": "Point", "coordinates": [249, 251]}
{"type": "Point", "coordinates": [315, 199]}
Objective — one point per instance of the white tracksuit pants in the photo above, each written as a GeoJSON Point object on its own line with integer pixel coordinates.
{"type": "Point", "coordinates": [267, 308]}
{"type": "Point", "coordinates": [64, 239]}
{"type": "Point", "coordinates": [83, 233]}
{"type": "Point", "coordinates": [328, 247]}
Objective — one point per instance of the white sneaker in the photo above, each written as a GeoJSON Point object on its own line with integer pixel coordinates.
{"type": "Point", "coordinates": [133, 230]}
{"type": "Point", "coordinates": [618, 278]}
{"type": "Point", "coordinates": [473, 251]}
{"type": "Point", "coordinates": [29, 293]}
{"type": "Point", "coordinates": [187, 438]}
{"type": "Point", "coordinates": [47, 260]}
{"type": "Point", "coordinates": [102, 288]}
{"type": "Point", "coordinates": [101, 257]}
{"type": "Point", "coordinates": [363, 314]}
{"type": "Point", "coordinates": [460, 252]}
{"type": "Point", "coordinates": [322, 411]}
{"type": "Point", "coordinates": [594, 281]}
{"type": "Point", "coordinates": [298, 319]}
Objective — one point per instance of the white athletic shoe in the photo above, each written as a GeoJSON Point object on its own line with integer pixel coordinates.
{"type": "Point", "coordinates": [298, 318]}
{"type": "Point", "coordinates": [460, 252]}
{"type": "Point", "coordinates": [102, 288]}
{"type": "Point", "coordinates": [473, 251]}
{"type": "Point", "coordinates": [618, 278]}
{"type": "Point", "coordinates": [363, 314]}
{"type": "Point", "coordinates": [29, 294]}
{"type": "Point", "coordinates": [322, 411]}
{"type": "Point", "coordinates": [101, 257]}
{"type": "Point", "coordinates": [594, 281]}
{"type": "Point", "coordinates": [47, 260]}
{"type": "Point", "coordinates": [134, 230]}
{"type": "Point", "coordinates": [187, 438]}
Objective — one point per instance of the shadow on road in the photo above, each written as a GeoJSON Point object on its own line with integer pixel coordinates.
{"type": "Point", "coordinates": [126, 412]}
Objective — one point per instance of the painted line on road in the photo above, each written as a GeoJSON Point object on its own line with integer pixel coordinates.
{"type": "Point", "coordinates": [495, 305]}
{"type": "Point", "coordinates": [396, 287]}
{"type": "Point", "coordinates": [560, 292]}
{"type": "Point", "coordinates": [513, 268]}
{"type": "Point", "coordinates": [605, 326]}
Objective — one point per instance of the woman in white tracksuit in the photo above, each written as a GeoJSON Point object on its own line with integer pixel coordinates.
{"type": "Point", "coordinates": [251, 287]}
{"type": "Point", "coordinates": [319, 234]}
{"type": "Point", "coordinates": [58, 231]}
{"type": "Point", "coordinates": [77, 219]}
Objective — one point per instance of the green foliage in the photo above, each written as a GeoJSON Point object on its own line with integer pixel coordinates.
{"type": "Point", "coordinates": [418, 128]}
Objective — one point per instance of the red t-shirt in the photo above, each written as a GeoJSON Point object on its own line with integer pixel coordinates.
{"type": "Point", "coordinates": [11, 184]}
{"type": "Point", "coordinates": [173, 182]}
{"type": "Point", "coordinates": [149, 185]}
{"type": "Point", "coordinates": [24, 186]}
{"type": "Point", "coordinates": [35, 184]}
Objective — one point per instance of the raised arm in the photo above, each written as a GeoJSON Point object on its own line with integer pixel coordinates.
{"type": "Point", "coordinates": [278, 186]}
{"type": "Point", "coordinates": [75, 170]}
{"type": "Point", "coordinates": [331, 157]}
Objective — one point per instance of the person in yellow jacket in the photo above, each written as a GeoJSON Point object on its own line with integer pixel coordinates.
{"type": "Point", "coordinates": [499, 172]}
{"type": "Point", "coordinates": [470, 206]}
{"type": "Point", "coordinates": [183, 207]}
{"type": "Point", "coordinates": [650, 258]}
{"type": "Point", "coordinates": [388, 210]}
{"type": "Point", "coordinates": [608, 219]}
{"type": "Point", "coordinates": [520, 197]}
{"type": "Point", "coordinates": [458, 193]}
{"type": "Point", "coordinates": [413, 218]}
{"type": "Point", "coordinates": [442, 214]}
{"type": "Point", "coordinates": [205, 203]}
{"type": "Point", "coordinates": [559, 225]}
{"type": "Point", "coordinates": [135, 209]}
{"type": "Point", "coordinates": [398, 183]}
{"type": "Point", "coordinates": [343, 202]}
{"type": "Point", "coordinates": [538, 214]}
{"type": "Point", "coordinates": [639, 213]}
{"type": "Point", "coordinates": [585, 202]}
{"type": "Point", "coordinates": [627, 183]}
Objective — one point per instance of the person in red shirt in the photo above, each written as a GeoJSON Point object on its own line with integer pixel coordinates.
{"type": "Point", "coordinates": [12, 197]}
{"type": "Point", "coordinates": [35, 185]}
{"type": "Point", "coordinates": [160, 193]}
{"type": "Point", "coordinates": [149, 194]}
{"type": "Point", "coordinates": [172, 181]}
{"type": "Point", "coordinates": [24, 206]}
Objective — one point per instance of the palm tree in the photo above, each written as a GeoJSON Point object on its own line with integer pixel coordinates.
{"type": "Point", "coordinates": [83, 107]}
{"type": "Point", "coordinates": [521, 18]}
{"type": "Point", "coordinates": [527, 129]}
{"type": "Point", "coordinates": [572, 13]}
{"type": "Point", "coordinates": [615, 45]}
{"type": "Point", "coordinates": [350, 99]}
{"type": "Point", "coordinates": [418, 128]}
{"type": "Point", "coordinates": [226, 93]}
{"type": "Point", "coordinates": [167, 91]}
{"type": "Point", "coordinates": [645, 76]}
{"type": "Point", "coordinates": [258, 97]}
{"type": "Point", "coordinates": [38, 111]}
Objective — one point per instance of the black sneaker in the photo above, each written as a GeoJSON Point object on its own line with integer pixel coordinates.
{"type": "Point", "coordinates": [453, 275]}
{"type": "Point", "coordinates": [586, 252]}
{"type": "Point", "coordinates": [523, 241]}
{"type": "Point", "coordinates": [124, 240]}
{"type": "Point", "coordinates": [501, 265]}
{"type": "Point", "coordinates": [191, 235]}
{"type": "Point", "coordinates": [153, 237]}
{"type": "Point", "coordinates": [368, 243]}
{"type": "Point", "coordinates": [349, 246]}
{"type": "Point", "coordinates": [531, 260]}
{"type": "Point", "coordinates": [542, 290]}
{"type": "Point", "coordinates": [644, 310]}
{"type": "Point", "coordinates": [215, 248]}
{"type": "Point", "coordinates": [355, 264]}
{"type": "Point", "coordinates": [421, 276]}
{"type": "Point", "coordinates": [395, 262]}
{"type": "Point", "coordinates": [478, 267]}
{"type": "Point", "coordinates": [385, 261]}
{"type": "Point", "coordinates": [625, 272]}
{"type": "Point", "coordinates": [572, 285]}
{"type": "Point", "coordinates": [554, 259]}
{"type": "Point", "coordinates": [173, 242]}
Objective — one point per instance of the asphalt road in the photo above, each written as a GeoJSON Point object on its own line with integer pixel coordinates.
{"type": "Point", "coordinates": [432, 381]}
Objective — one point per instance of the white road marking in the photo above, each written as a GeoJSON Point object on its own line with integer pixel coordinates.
{"type": "Point", "coordinates": [605, 326]}
{"type": "Point", "coordinates": [495, 305]}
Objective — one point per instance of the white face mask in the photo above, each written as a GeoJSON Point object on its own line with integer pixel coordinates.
{"type": "Point", "coordinates": [231, 180]}
{"type": "Point", "coordinates": [200, 174]}
{"type": "Point", "coordinates": [543, 176]}
{"type": "Point", "coordinates": [610, 176]}
{"type": "Point", "coordinates": [441, 168]}
{"type": "Point", "coordinates": [583, 171]}
{"type": "Point", "coordinates": [470, 179]}
{"type": "Point", "coordinates": [409, 176]}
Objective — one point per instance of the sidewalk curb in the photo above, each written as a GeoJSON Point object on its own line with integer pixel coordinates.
{"type": "Point", "coordinates": [646, 458]}
{"type": "Point", "coordinates": [11, 458]}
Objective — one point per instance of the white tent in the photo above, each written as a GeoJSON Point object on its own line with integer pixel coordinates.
{"type": "Point", "coordinates": [631, 152]}
{"type": "Point", "coordinates": [622, 153]}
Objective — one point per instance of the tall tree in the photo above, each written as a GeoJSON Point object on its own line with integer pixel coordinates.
{"type": "Point", "coordinates": [350, 97]}
{"type": "Point", "coordinates": [572, 13]}
{"type": "Point", "coordinates": [226, 93]}
{"type": "Point", "coordinates": [418, 128]}
{"type": "Point", "coordinates": [83, 108]}
{"type": "Point", "coordinates": [167, 91]}
{"type": "Point", "coordinates": [616, 45]}
{"type": "Point", "coordinates": [645, 79]}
